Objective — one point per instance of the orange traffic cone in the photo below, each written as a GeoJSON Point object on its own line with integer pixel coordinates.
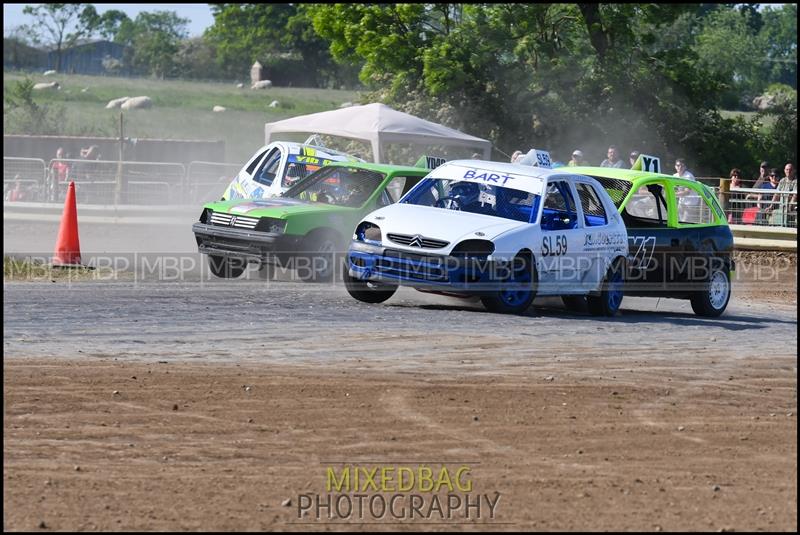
{"type": "Point", "coordinates": [68, 246]}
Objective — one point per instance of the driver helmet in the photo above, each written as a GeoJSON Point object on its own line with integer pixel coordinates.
{"type": "Point", "coordinates": [466, 192]}
{"type": "Point", "coordinates": [292, 174]}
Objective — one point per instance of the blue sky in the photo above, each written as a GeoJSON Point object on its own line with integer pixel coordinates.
{"type": "Point", "coordinates": [199, 14]}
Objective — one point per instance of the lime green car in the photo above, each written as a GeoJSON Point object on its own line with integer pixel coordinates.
{"type": "Point", "coordinates": [680, 245]}
{"type": "Point", "coordinates": [305, 227]}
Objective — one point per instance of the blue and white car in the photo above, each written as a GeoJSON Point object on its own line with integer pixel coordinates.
{"type": "Point", "coordinates": [504, 232]}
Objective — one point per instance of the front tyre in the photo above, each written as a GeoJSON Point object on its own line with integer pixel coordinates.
{"type": "Point", "coordinates": [226, 267]}
{"type": "Point", "coordinates": [611, 292]}
{"type": "Point", "coordinates": [320, 254]}
{"type": "Point", "coordinates": [517, 292]}
{"type": "Point", "coordinates": [712, 300]}
{"type": "Point", "coordinates": [367, 291]}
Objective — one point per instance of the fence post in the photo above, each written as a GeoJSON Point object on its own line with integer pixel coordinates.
{"type": "Point", "coordinates": [724, 193]}
{"type": "Point", "coordinates": [118, 190]}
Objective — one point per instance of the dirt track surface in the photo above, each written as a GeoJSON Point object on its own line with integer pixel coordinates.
{"type": "Point", "coordinates": [188, 406]}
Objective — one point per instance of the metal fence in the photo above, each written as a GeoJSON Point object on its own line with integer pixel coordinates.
{"type": "Point", "coordinates": [206, 181]}
{"type": "Point", "coordinates": [23, 179]}
{"type": "Point", "coordinates": [748, 206]}
{"type": "Point", "coordinates": [97, 181]}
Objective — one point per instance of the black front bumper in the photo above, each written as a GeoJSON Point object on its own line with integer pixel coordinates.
{"type": "Point", "coordinates": [251, 245]}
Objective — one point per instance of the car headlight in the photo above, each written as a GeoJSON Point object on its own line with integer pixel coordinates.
{"type": "Point", "coordinates": [368, 232]}
{"type": "Point", "coordinates": [271, 224]}
{"type": "Point", "coordinates": [473, 249]}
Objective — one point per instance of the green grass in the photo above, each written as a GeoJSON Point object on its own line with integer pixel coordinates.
{"type": "Point", "coordinates": [181, 109]}
{"type": "Point", "coordinates": [27, 270]}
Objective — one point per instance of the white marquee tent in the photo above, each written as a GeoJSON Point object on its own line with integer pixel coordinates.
{"type": "Point", "coordinates": [379, 125]}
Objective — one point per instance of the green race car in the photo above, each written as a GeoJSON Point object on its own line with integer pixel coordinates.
{"type": "Point", "coordinates": [305, 227]}
{"type": "Point", "coordinates": [680, 245]}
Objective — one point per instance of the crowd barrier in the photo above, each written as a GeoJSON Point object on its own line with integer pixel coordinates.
{"type": "Point", "coordinates": [115, 182]}
{"type": "Point", "coordinates": [158, 183]}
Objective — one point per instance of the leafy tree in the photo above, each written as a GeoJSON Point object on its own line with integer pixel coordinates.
{"type": "Point", "coordinates": [60, 25]}
{"type": "Point", "coordinates": [779, 36]}
{"type": "Point", "coordinates": [271, 34]}
{"type": "Point", "coordinates": [154, 40]}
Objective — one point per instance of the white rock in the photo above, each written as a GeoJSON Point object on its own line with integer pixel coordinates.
{"type": "Point", "coordinates": [84, 90]}
{"type": "Point", "coordinates": [116, 103]}
{"type": "Point", "coordinates": [47, 85]}
{"type": "Point", "coordinates": [263, 84]}
{"type": "Point", "coordinates": [240, 85]}
{"type": "Point", "coordinates": [49, 73]}
{"type": "Point", "coordinates": [137, 103]}
{"type": "Point", "coordinates": [345, 104]}
{"type": "Point", "coordinates": [219, 108]}
{"type": "Point", "coordinates": [274, 104]}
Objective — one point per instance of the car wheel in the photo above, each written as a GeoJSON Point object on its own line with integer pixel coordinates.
{"type": "Point", "coordinates": [367, 291]}
{"type": "Point", "coordinates": [611, 292]}
{"type": "Point", "coordinates": [575, 303]}
{"type": "Point", "coordinates": [226, 267]}
{"type": "Point", "coordinates": [517, 292]}
{"type": "Point", "coordinates": [320, 252]}
{"type": "Point", "coordinates": [712, 300]}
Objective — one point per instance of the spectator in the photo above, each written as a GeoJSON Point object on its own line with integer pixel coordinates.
{"type": "Point", "coordinates": [736, 178]}
{"type": "Point", "coordinates": [92, 152]}
{"type": "Point", "coordinates": [763, 175]}
{"type": "Point", "coordinates": [516, 156]}
{"type": "Point", "coordinates": [737, 207]}
{"type": "Point", "coordinates": [59, 174]}
{"type": "Point", "coordinates": [633, 157]}
{"type": "Point", "coordinates": [772, 183]}
{"type": "Point", "coordinates": [577, 159]}
{"type": "Point", "coordinates": [682, 171]}
{"type": "Point", "coordinates": [613, 158]}
{"type": "Point", "coordinates": [780, 203]}
{"type": "Point", "coordinates": [17, 193]}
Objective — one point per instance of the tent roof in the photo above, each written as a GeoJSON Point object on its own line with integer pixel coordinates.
{"type": "Point", "coordinates": [375, 122]}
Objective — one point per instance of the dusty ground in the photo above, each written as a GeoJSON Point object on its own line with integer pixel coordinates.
{"type": "Point", "coordinates": [206, 407]}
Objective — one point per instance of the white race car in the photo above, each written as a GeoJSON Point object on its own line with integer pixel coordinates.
{"type": "Point", "coordinates": [504, 232]}
{"type": "Point", "coordinates": [276, 167]}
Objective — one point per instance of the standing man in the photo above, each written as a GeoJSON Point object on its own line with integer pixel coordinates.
{"type": "Point", "coordinates": [682, 171]}
{"type": "Point", "coordinates": [613, 158]}
{"type": "Point", "coordinates": [577, 159]}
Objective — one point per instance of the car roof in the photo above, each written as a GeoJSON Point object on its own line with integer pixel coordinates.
{"type": "Point", "coordinates": [383, 167]}
{"type": "Point", "coordinates": [618, 174]}
{"type": "Point", "coordinates": [526, 177]}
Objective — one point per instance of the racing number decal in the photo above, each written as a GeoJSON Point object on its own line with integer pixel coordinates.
{"type": "Point", "coordinates": [645, 248]}
{"type": "Point", "coordinates": [559, 248]}
{"type": "Point", "coordinates": [543, 159]}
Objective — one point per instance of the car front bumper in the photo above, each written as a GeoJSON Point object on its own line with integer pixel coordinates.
{"type": "Point", "coordinates": [251, 245]}
{"type": "Point", "coordinates": [424, 271]}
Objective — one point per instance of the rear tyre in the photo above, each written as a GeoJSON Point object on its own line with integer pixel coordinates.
{"type": "Point", "coordinates": [517, 292]}
{"type": "Point", "coordinates": [611, 292]}
{"type": "Point", "coordinates": [226, 267]}
{"type": "Point", "coordinates": [367, 291]}
{"type": "Point", "coordinates": [712, 300]}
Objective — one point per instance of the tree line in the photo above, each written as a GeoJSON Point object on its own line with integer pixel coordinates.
{"type": "Point", "coordinates": [650, 77]}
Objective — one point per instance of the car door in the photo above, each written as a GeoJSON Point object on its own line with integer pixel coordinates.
{"type": "Point", "coordinates": [597, 219]}
{"type": "Point", "coordinates": [656, 246]}
{"type": "Point", "coordinates": [562, 231]}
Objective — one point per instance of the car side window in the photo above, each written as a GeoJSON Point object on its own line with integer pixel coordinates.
{"type": "Point", "coordinates": [559, 211]}
{"type": "Point", "coordinates": [394, 190]}
{"type": "Point", "coordinates": [254, 163]}
{"type": "Point", "coordinates": [594, 214]}
{"type": "Point", "coordinates": [692, 207]}
{"type": "Point", "coordinates": [268, 168]}
{"type": "Point", "coordinates": [647, 207]}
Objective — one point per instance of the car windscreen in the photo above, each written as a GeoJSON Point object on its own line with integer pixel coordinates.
{"type": "Point", "coordinates": [616, 189]}
{"type": "Point", "coordinates": [474, 198]}
{"type": "Point", "coordinates": [339, 186]}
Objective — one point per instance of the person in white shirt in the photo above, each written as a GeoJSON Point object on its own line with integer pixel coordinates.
{"type": "Point", "coordinates": [682, 170]}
